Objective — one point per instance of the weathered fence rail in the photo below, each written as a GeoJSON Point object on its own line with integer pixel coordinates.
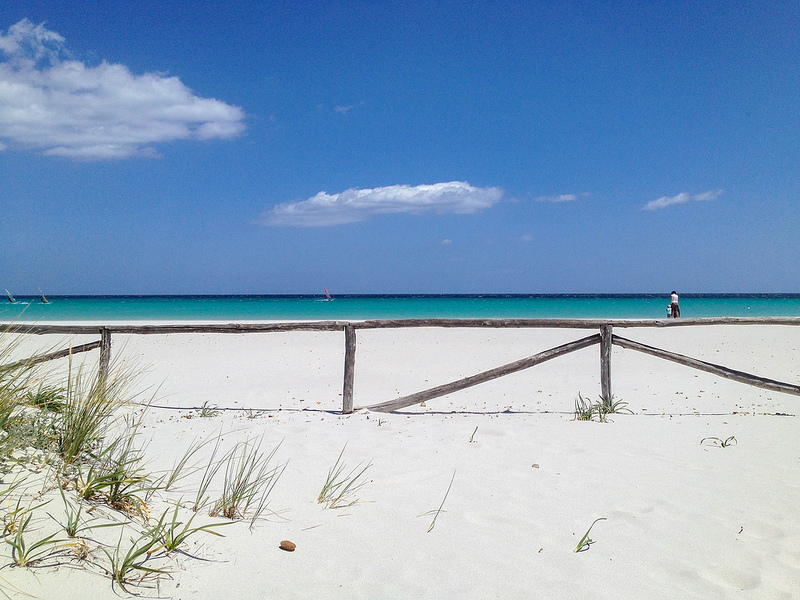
{"type": "Point", "coordinates": [40, 329]}
{"type": "Point", "coordinates": [466, 382]}
{"type": "Point", "coordinates": [720, 371]}
{"type": "Point", "coordinates": [605, 338]}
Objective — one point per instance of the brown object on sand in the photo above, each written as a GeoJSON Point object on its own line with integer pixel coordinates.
{"type": "Point", "coordinates": [288, 546]}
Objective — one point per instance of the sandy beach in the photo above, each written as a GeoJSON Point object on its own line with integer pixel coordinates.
{"type": "Point", "coordinates": [682, 519]}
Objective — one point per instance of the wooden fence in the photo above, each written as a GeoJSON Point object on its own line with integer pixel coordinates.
{"type": "Point", "coordinates": [605, 337]}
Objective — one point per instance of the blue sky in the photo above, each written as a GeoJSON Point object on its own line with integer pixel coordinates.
{"type": "Point", "coordinates": [416, 147]}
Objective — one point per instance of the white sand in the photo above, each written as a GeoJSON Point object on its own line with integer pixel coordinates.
{"type": "Point", "coordinates": [684, 520]}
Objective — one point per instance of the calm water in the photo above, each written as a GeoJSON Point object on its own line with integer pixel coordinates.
{"type": "Point", "coordinates": [245, 308]}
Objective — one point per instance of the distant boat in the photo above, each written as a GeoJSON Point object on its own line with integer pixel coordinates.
{"type": "Point", "coordinates": [11, 298]}
{"type": "Point", "coordinates": [327, 295]}
{"type": "Point", "coordinates": [43, 299]}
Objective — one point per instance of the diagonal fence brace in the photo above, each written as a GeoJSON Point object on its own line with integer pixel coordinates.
{"type": "Point", "coordinates": [485, 376]}
{"type": "Point", "coordinates": [754, 380]}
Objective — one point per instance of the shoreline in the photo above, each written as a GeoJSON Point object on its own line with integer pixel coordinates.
{"type": "Point", "coordinates": [358, 307]}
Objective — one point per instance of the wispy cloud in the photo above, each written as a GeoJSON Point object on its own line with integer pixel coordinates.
{"type": "Point", "coordinates": [51, 103]}
{"type": "Point", "coordinates": [353, 205]}
{"type": "Point", "coordinates": [343, 109]}
{"type": "Point", "coordinates": [559, 198]}
{"type": "Point", "coordinates": [682, 198]}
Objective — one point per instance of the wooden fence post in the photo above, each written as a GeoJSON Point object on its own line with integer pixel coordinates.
{"type": "Point", "coordinates": [349, 368]}
{"type": "Point", "coordinates": [105, 352]}
{"type": "Point", "coordinates": [605, 362]}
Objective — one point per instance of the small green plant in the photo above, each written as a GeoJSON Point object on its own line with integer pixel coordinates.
{"type": "Point", "coordinates": [438, 510]}
{"type": "Point", "coordinates": [584, 409]}
{"type": "Point", "coordinates": [173, 533]}
{"type": "Point", "coordinates": [610, 406]}
{"type": "Point", "coordinates": [124, 564]}
{"type": "Point", "coordinates": [24, 553]}
{"type": "Point", "coordinates": [207, 411]}
{"type": "Point", "coordinates": [586, 541]}
{"type": "Point", "coordinates": [339, 489]}
{"type": "Point", "coordinates": [74, 524]}
{"type": "Point", "coordinates": [73, 515]}
{"type": "Point", "coordinates": [116, 476]}
{"type": "Point", "coordinates": [715, 441]}
{"type": "Point", "coordinates": [11, 517]}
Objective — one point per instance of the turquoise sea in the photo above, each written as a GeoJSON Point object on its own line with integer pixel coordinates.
{"type": "Point", "coordinates": [355, 307]}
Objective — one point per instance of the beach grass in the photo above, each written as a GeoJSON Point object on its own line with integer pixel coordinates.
{"type": "Point", "coordinates": [612, 405]}
{"type": "Point", "coordinates": [173, 533]}
{"type": "Point", "coordinates": [126, 563]}
{"type": "Point", "coordinates": [88, 444]}
{"type": "Point", "coordinates": [46, 397]}
{"type": "Point", "coordinates": [586, 410]}
{"type": "Point", "coordinates": [340, 488]}
{"type": "Point", "coordinates": [89, 404]}
{"type": "Point", "coordinates": [181, 467]}
{"type": "Point", "coordinates": [441, 506]}
{"type": "Point", "coordinates": [25, 552]}
{"type": "Point", "coordinates": [250, 477]}
{"type": "Point", "coordinates": [201, 498]}
{"type": "Point", "coordinates": [74, 524]}
{"type": "Point", "coordinates": [15, 379]}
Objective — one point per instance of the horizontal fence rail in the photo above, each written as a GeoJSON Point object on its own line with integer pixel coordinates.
{"type": "Point", "coordinates": [41, 329]}
{"type": "Point", "coordinates": [605, 338]}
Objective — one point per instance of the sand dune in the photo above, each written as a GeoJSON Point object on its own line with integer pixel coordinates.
{"type": "Point", "coordinates": [683, 519]}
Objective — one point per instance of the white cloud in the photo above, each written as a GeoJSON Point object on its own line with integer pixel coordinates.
{"type": "Point", "coordinates": [343, 109]}
{"type": "Point", "coordinates": [681, 198]}
{"type": "Point", "coordinates": [350, 206]}
{"type": "Point", "coordinates": [446, 242]}
{"type": "Point", "coordinates": [560, 198]}
{"type": "Point", "coordinates": [63, 107]}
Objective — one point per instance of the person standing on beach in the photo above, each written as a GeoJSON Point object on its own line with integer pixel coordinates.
{"type": "Point", "coordinates": [673, 303]}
